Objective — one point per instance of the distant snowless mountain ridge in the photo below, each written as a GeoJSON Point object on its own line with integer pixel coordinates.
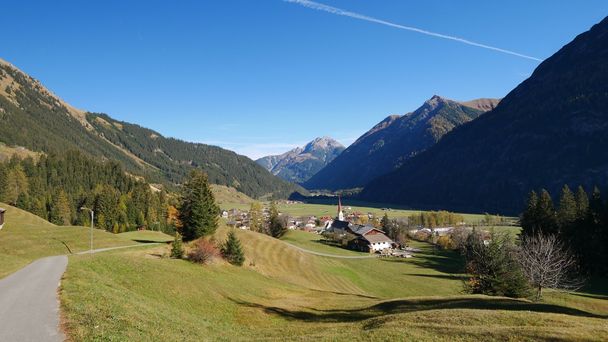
{"type": "Point", "coordinates": [301, 163]}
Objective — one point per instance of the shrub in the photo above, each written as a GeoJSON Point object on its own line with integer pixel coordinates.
{"type": "Point", "coordinates": [177, 249]}
{"type": "Point", "coordinates": [233, 251]}
{"type": "Point", "coordinates": [203, 252]}
{"type": "Point", "coordinates": [422, 235]}
{"type": "Point", "coordinates": [445, 242]}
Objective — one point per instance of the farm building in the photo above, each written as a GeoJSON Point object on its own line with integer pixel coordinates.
{"type": "Point", "coordinates": [2, 211]}
{"type": "Point", "coordinates": [367, 238]}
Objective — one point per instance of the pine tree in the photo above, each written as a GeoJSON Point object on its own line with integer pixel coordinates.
{"type": "Point", "coordinates": [567, 212]}
{"type": "Point", "coordinates": [198, 212]}
{"type": "Point", "coordinates": [546, 214]}
{"type": "Point", "coordinates": [256, 220]}
{"type": "Point", "coordinates": [232, 250]}
{"type": "Point", "coordinates": [385, 223]}
{"type": "Point", "coordinates": [582, 203]}
{"type": "Point", "coordinates": [61, 213]}
{"type": "Point", "coordinates": [16, 183]}
{"type": "Point", "coordinates": [177, 248]}
{"type": "Point", "coordinates": [277, 225]}
{"type": "Point", "coordinates": [529, 219]}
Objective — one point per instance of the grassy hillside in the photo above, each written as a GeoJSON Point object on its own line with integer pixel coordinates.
{"type": "Point", "coordinates": [282, 293]}
{"type": "Point", "coordinates": [27, 237]}
{"type": "Point", "coordinates": [228, 198]}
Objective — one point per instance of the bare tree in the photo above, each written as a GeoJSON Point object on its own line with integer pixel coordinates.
{"type": "Point", "coordinates": [547, 264]}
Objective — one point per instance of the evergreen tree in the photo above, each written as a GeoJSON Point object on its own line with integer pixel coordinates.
{"type": "Point", "coordinates": [256, 220]}
{"type": "Point", "coordinates": [61, 213]}
{"type": "Point", "coordinates": [177, 248]}
{"type": "Point", "coordinates": [385, 223]}
{"type": "Point", "coordinates": [529, 218]}
{"type": "Point", "coordinates": [582, 203]}
{"type": "Point", "coordinates": [141, 221]}
{"type": "Point", "coordinates": [567, 212]}
{"type": "Point", "coordinates": [232, 250]}
{"type": "Point", "coordinates": [277, 225]}
{"type": "Point", "coordinates": [16, 183]}
{"type": "Point", "coordinates": [546, 214]}
{"type": "Point", "coordinates": [198, 212]}
{"type": "Point", "coordinates": [493, 267]}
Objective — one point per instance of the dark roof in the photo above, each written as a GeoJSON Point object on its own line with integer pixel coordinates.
{"type": "Point", "coordinates": [362, 230]}
{"type": "Point", "coordinates": [377, 238]}
{"type": "Point", "coordinates": [340, 224]}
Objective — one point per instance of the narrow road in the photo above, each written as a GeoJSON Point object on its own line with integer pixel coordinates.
{"type": "Point", "coordinates": [29, 307]}
{"type": "Point", "coordinates": [331, 255]}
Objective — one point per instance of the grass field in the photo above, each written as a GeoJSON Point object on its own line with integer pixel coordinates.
{"type": "Point", "coordinates": [146, 236]}
{"type": "Point", "coordinates": [313, 242]}
{"type": "Point", "coordinates": [229, 198]}
{"type": "Point", "coordinates": [319, 210]}
{"type": "Point", "coordinates": [282, 293]}
{"type": "Point", "coordinates": [27, 237]}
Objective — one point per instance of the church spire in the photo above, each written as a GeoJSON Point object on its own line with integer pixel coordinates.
{"type": "Point", "coordinates": [340, 213]}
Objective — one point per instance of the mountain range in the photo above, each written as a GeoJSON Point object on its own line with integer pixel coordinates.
{"type": "Point", "coordinates": [550, 130]}
{"type": "Point", "coordinates": [394, 140]}
{"type": "Point", "coordinates": [33, 118]}
{"type": "Point", "coordinates": [301, 163]}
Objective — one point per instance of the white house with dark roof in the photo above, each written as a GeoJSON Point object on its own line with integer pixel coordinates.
{"type": "Point", "coordinates": [367, 238]}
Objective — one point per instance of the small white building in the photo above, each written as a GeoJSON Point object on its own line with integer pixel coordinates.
{"type": "Point", "coordinates": [2, 211]}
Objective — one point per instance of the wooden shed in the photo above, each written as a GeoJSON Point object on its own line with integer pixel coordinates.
{"type": "Point", "coordinates": [2, 211]}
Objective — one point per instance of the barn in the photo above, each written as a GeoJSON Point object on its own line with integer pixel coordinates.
{"type": "Point", "coordinates": [2, 211]}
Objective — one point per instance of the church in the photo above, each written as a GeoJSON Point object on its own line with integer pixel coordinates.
{"type": "Point", "coordinates": [367, 237]}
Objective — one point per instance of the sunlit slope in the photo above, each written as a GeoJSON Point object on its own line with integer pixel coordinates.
{"type": "Point", "coordinates": [285, 294]}
{"type": "Point", "coordinates": [27, 237]}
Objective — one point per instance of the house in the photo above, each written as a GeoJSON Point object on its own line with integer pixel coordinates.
{"type": "Point", "coordinates": [2, 211]}
{"type": "Point", "coordinates": [224, 214]}
{"type": "Point", "coordinates": [367, 238]}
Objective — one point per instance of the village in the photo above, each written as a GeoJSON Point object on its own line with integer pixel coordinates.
{"type": "Point", "coordinates": [367, 232]}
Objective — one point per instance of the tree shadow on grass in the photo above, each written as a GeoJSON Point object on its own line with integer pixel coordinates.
{"type": "Point", "coordinates": [346, 294]}
{"type": "Point", "coordinates": [439, 276]}
{"type": "Point", "coordinates": [444, 263]}
{"type": "Point", "coordinates": [150, 241]}
{"type": "Point", "coordinates": [414, 305]}
{"type": "Point", "coordinates": [595, 287]}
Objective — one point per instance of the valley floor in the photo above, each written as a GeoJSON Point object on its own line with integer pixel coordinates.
{"type": "Point", "coordinates": [283, 293]}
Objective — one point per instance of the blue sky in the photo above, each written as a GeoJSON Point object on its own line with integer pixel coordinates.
{"type": "Point", "coordinates": [262, 76]}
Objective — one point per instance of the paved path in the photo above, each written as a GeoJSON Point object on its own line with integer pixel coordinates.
{"type": "Point", "coordinates": [29, 307]}
{"type": "Point", "coordinates": [331, 255]}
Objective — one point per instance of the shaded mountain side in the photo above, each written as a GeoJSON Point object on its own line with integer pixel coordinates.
{"type": "Point", "coordinates": [550, 130]}
{"type": "Point", "coordinates": [301, 163]}
{"type": "Point", "coordinates": [394, 140]}
{"type": "Point", "coordinates": [34, 118]}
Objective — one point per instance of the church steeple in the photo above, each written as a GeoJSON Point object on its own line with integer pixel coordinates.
{"type": "Point", "coordinates": [340, 213]}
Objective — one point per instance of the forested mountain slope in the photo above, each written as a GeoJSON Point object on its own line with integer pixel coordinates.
{"type": "Point", "coordinates": [550, 130]}
{"type": "Point", "coordinates": [394, 140]}
{"type": "Point", "coordinates": [34, 118]}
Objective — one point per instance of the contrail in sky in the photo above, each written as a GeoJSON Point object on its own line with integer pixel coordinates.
{"type": "Point", "coordinates": [337, 11]}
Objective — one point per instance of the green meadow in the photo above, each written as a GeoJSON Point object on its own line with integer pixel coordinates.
{"type": "Point", "coordinates": [27, 237]}
{"type": "Point", "coordinates": [282, 293]}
